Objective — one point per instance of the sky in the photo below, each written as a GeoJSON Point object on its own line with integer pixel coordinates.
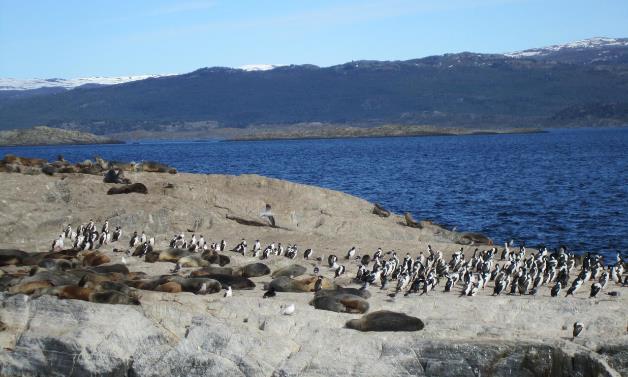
{"type": "Point", "coordinates": [79, 38]}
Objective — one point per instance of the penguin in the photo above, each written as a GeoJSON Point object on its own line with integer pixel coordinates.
{"type": "Point", "coordinates": [116, 234]}
{"type": "Point", "coordinates": [270, 293]}
{"type": "Point", "coordinates": [316, 270]}
{"type": "Point", "coordinates": [499, 287]}
{"type": "Point", "coordinates": [574, 287]}
{"type": "Point", "coordinates": [229, 292]}
{"type": "Point", "coordinates": [223, 245]}
{"type": "Point", "coordinates": [68, 231]}
{"type": "Point", "coordinates": [143, 237]}
{"type": "Point", "coordinates": [350, 253]}
{"type": "Point", "coordinates": [105, 227]}
{"type": "Point", "coordinates": [556, 289]}
{"type": "Point", "coordinates": [257, 246]}
{"type": "Point", "coordinates": [58, 243]}
{"type": "Point", "coordinates": [595, 289]}
{"type": "Point", "coordinates": [307, 254]}
{"type": "Point", "coordinates": [340, 270]}
{"type": "Point", "coordinates": [331, 260]}
{"type": "Point", "coordinates": [319, 284]}
{"type": "Point", "coordinates": [577, 329]}
{"type": "Point", "coordinates": [135, 240]}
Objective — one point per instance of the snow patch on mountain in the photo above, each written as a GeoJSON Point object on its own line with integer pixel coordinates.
{"type": "Point", "coordinates": [258, 67]}
{"type": "Point", "coordinates": [30, 84]}
{"type": "Point", "coordinates": [598, 42]}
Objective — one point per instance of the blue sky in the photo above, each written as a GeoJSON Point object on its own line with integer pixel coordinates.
{"type": "Point", "coordinates": [75, 38]}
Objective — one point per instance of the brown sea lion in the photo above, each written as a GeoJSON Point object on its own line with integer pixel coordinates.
{"type": "Point", "coordinates": [29, 288]}
{"type": "Point", "coordinates": [193, 261]}
{"type": "Point", "coordinates": [56, 264]}
{"type": "Point", "coordinates": [352, 291]}
{"type": "Point", "coordinates": [286, 284]}
{"type": "Point", "coordinates": [72, 292]}
{"type": "Point", "coordinates": [235, 282]}
{"type": "Point", "coordinates": [10, 257]}
{"type": "Point", "coordinates": [117, 268]}
{"type": "Point", "coordinates": [385, 320]}
{"type": "Point", "coordinates": [215, 258]}
{"type": "Point", "coordinates": [173, 255]}
{"type": "Point", "coordinates": [340, 302]}
{"type": "Point", "coordinates": [198, 285]}
{"type": "Point", "coordinates": [206, 271]}
{"type": "Point", "coordinates": [253, 270]}
{"type": "Point", "coordinates": [113, 297]}
{"type": "Point", "coordinates": [292, 270]}
{"type": "Point", "coordinates": [170, 287]}
{"type": "Point", "coordinates": [95, 258]}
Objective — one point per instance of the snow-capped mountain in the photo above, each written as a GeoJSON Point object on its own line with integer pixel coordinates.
{"type": "Point", "coordinates": [258, 67]}
{"type": "Point", "coordinates": [597, 43]}
{"type": "Point", "coordinates": [30, 84]}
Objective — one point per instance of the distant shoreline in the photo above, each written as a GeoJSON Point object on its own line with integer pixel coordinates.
{"type": "Point", "coordinates": [378, 132]}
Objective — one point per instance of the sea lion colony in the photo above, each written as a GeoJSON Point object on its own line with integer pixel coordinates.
{"type": "Point", "coordinates": [81, 272]}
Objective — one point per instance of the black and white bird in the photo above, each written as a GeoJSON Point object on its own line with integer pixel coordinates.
{"type": "Point", "coordinates": [135, 240]}
{"type": "Point", "coordinates": [270, 293]}
{"type": "Point", "coordinates": [58, 243]}
{"type": "Point", "coordinates": [340, 270]}
{"type": "Point", "coordinates": [116, 234]}
{"type": "Point", "coordinates": [574, 287]}
{"type": "Point", "coordinates": [307, 254]}
{"type": "Point", "coordinates": [350, 253]}
{"type": "Point", "coordinates": [577, 329]}
{"type": "Point", "coordinates": [595, 289]}
{"type": "Point", "coordinates": [319, 284]}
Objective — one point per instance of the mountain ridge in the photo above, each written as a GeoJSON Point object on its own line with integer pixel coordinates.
{"type": "Point", "coordinates": [460, 90]}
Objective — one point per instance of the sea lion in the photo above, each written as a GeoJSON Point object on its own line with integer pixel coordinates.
{"type": "Point", "coordinates": [235, 282]}
{"type": "Point", "coordinates": [29, 288]}
{"type": "Point", "coordinates": [352, 291]}
{"type": "Point", "coordinates": [113, 297]}
{"type": "Point", "coordinates": [138, 188]}
{"type": "Point", "coordinates": [111, 268]}
{"type": "Point", "coordinates": [56, 278]}
{"type": "Point", "coordinates": [115, 176]}
{"type": "Point", "coordinates": [385, 320]}
{"type": "Point", "coordinates": [156, 167]}
{"type": "Point", "coordinates": [95, 258]}
{"type": "Point", "coordinates": [286, 284]}
{"type": "Point", "coordinates": [198, 285]}
{"type": "Point", "coordinates": [215, 258]}
{"type": "Point", "coordinates": [292, 270]}
{"type": "Point", "coordinates": [170, 287]}
{"type": "Point", "coordinates": [340, 302]}
{"type": "Point", "coordinates": [67, 254]}
{"type": "Point", "coordinates": [67, 292]}
{"type": "Point", "coordinates": [206, 271]}
{"type": "Point", "coordinates": [172, 254]}
{"type": "Point", "coordinates": [55, 264]}
{"type": "Point", "coordinates": [12, 257]}
{"type": "Point", "coordinates": [193, 261]}
{"type": "Point", "coordinates": [253, 270]}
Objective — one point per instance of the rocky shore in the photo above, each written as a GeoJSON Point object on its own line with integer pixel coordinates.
{"type": "Point", "coordinates": [188, 334]}
{"type": "Point", "coordinates": [43, 135]}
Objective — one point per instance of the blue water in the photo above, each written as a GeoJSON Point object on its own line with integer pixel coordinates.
{"type": "Point", "coordinates": [568, 186]}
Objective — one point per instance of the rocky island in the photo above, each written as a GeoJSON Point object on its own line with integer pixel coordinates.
{"type": "Point", "coordinates": [236, 327]}
{"type": "Point", "coordinates": [43, 135]}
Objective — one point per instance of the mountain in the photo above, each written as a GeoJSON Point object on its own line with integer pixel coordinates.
{"type": "Point", "coordinates": [597, 50]}
{"type": "Point", "coordinates": [531, 88]}
{"type": "Point", "coordinates": [10, 84]}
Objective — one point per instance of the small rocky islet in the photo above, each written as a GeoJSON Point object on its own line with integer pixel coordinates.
{"type": "Point", "coordinates": [191, 274]}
